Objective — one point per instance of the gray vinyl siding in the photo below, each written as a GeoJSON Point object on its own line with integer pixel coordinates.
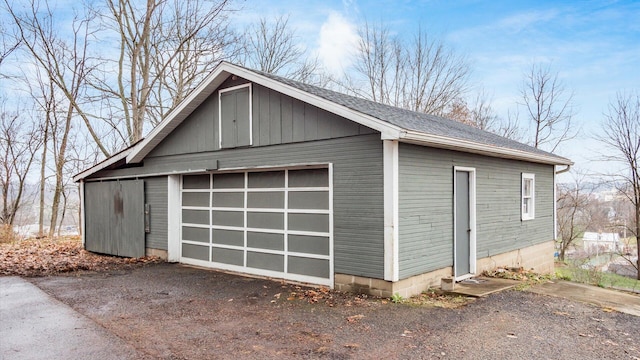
{"type": "Point", "coordinates": [155, 189]}
{"type": "Point", "coordinates": [426, 206]}
{"type": "Point", "coordinates": [277, 119]}
{"type": "Point", "coordinates": [357, 185]}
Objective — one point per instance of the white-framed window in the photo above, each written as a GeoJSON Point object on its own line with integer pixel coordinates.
{"type": "Point", "coordinates": [235, 118]}
{"type": "Point", "coordinates": [528, 196]}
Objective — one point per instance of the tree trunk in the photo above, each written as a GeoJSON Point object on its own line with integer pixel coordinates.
{"type": "Point", "coordinates": [43, 179]}
{"type": "Point", "coordinates": [638, 240]}
{"type": "Point", "coordinates": [64, 210]}
{"type": "Point", "coordinates": [80, 209]}
{"type": "Point", "coordinates": [60, 161]}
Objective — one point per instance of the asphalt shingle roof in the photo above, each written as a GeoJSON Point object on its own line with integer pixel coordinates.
{"type": "Point", "coordinates": [411, 120]}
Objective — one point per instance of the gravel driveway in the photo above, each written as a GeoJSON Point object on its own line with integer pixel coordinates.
{"type": "Point", "coordinates": [170, 311]}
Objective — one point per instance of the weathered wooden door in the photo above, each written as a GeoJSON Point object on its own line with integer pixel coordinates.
{"type": "Point", "coordinates": [114, 218]}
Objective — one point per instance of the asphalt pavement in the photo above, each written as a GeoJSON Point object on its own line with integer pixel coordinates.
{"type": "Point", "coordinates": [616, 300]}
{"type": "Point", "coordinates": [33, 325]}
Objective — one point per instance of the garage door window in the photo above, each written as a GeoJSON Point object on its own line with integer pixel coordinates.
{"type": "Point", "coordinates": [271, 223]}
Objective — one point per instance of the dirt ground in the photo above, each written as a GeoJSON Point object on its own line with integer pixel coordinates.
{"type": "Point", "coordinates": [169, 311]}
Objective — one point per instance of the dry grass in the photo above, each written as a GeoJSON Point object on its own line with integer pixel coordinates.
{"type": "Point", "coordinates": [7, 235]}
{"type": "Point", "coordinates": [436, 298]}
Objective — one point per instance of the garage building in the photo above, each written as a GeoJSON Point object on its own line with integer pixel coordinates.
{"type": "Point", "coordinates": [261, 175]}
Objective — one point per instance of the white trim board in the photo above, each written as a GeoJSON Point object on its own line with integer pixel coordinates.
{"type": "Point", "coordinates": [391, 210]}
{"type": "Point", "coordinates": [174, 217]}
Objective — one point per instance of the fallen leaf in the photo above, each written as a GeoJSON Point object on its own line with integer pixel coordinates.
{"type": "Point", "coordinates": [354, 318]}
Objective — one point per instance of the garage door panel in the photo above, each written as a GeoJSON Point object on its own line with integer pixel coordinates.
{"type": "Point", "coordinates": [227, 237]}
{"type": "Point", "coordinates": [265, 220]}
{"type": "Point", "coordinates": [318, 200]}
{"type": "Point", "coordinates": [273, 262]}
{"type": "Point", "coordinates": [266, 179]}
{"type": "Point", "coordinates": [318, 245]}
{"type": "Point", "coordinates": [228, 181]}
{"type": "Point", "coordinates": [273, 223]}
{"type": "Point", "coordinates": [228, 218]}
{"type": "Point", "coordinates": [195, 182]}
{"type": "Point", "coordinates": [228, 199]}
{"type": "Point", "coordinates": [267, 199]}
{"type": "Point", "coordinates": [266, 241]}
{"type": "Point", "coordinates": [227, 256]}
{"type": "Point", "coordinates": [195, 216]}
{"type": "Point", "coordinates": [309, 222]}
{"type": "Point", "coordinates": [310, 267]}
{"type": "Point", "coordinates": [195, 234]}
{"type": "Point", "coordinates": [195, 199]}
{"type": "Point", "coordinates": [309, 178]}
{"type": "Point", "coordinates": [195, 252]}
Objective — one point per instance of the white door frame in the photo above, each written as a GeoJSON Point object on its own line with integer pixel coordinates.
{"type": "Point", "coordinates": [472, 222]}
{"type": "Point", "coordinates": [174, 217]}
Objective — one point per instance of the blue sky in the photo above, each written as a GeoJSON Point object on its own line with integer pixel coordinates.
{"type": "Point", "coordinates": [594, 46]}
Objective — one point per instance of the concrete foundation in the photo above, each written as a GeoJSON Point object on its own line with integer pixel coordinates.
{"type": "Point", "coordinates": [162, 254]}
{"type": "Point", "coordinates": [537, 257]}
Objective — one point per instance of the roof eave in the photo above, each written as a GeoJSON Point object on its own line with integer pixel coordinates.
{"type": "Point", "coordinates": [103, 164]}
{"type": "Point", "coordinates": [443, 142]}
{"type": "Point", "coordinates": [179, 114]}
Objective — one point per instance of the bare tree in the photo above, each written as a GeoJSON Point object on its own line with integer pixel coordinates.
{"type": "Point", "coordinates": [271, 46]}
{"type": "Point", "coordinates": [65, 62]}
{"type": "Point", "coordinates": [19, 143]}
{"type": "Point", "coordinates": [8, 44]}
{"type": "Point", "coordinates": [574, 200]}
{"type": "Point", "coordinates": [164, 49]}
{"type": "Point", "coordinates": [549, 107]}
{"type": "Point", "coordinates": [194, 36]}
{"type": "Point", "coordinates": [421, 75]}
{"type": "Point", "coordinates": [621, 133]}
{"type": "Point", "coordinates": [480, 114]}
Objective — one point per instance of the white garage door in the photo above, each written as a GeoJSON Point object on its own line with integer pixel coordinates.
{"type": "Point", "coordinates": [270, 223]}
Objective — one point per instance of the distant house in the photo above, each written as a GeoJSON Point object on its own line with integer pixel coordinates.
{"type": "Point", "coordinates": [603, 242]}
{"type": "Point", "coordinates": [258, 174]}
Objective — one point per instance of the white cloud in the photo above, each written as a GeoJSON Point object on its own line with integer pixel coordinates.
{"type": "Point", "coordinates": [526, 20]}
{"type": "Point", "coordinates": [338, 39]}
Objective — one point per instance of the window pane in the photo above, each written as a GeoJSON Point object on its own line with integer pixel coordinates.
{"type": "Point", "coordinates": [527, 187]}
